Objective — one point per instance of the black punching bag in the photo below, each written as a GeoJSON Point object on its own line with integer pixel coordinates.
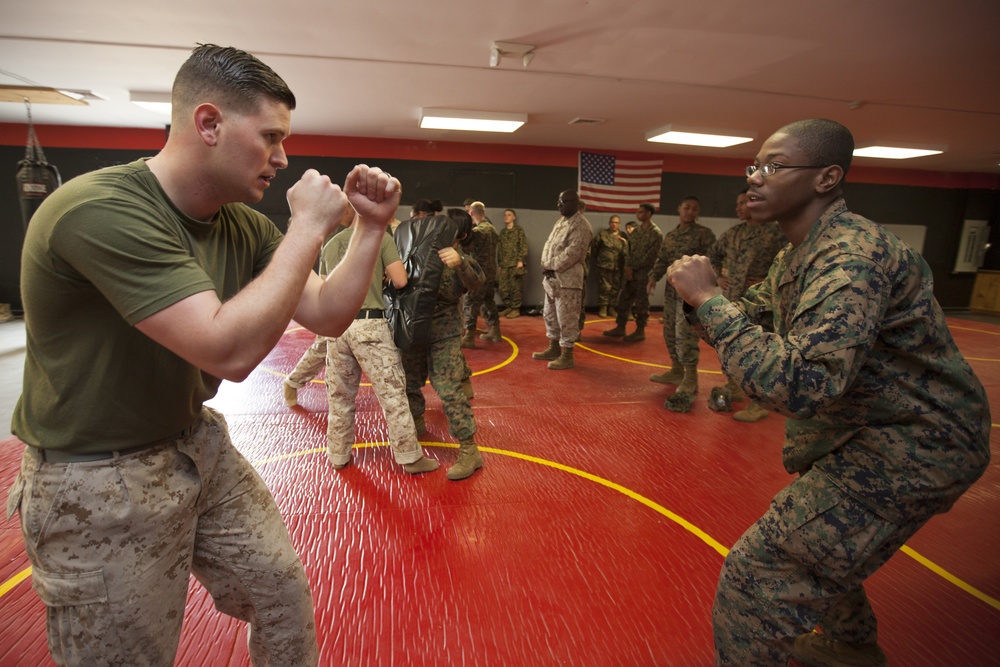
{"type": "Point", "coordinates": [36, 178]}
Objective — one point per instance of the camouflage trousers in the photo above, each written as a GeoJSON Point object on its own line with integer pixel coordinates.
{"type": "Point", "coordinates": [312, 362]}
{"type": "Point", "coordinates": [511, 280]}
{"type": "Point", "coordinates": [367, 346]}
{"type": "Point", "coordinates": [561, 312]}
{"type": "Point", "coordinates": [444, 363]}
{"type": "Point", "coordinates": [800, 565]}
{"type": "Point", "coordinates": [483, 301]}
{"type": "Point", "coordinates": [609, 284]}
{"type": "Point", "coordinates": [678, 334]}
{"type": "Point", "coordinates": [112, 542]}
{"type": "Point", "coordinates": [633, 299]}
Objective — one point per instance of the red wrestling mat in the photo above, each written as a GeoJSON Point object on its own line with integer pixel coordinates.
{"type": "Point", "coordinates": [594, 534]}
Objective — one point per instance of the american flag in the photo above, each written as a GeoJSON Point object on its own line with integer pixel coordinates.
{"type": "Point", "coordinates": [609, 183]}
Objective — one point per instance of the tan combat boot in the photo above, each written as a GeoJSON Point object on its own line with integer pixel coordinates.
{"type": "Point", "coordinates": [564, 361]}
{"type": "Point", "coordinates": [672, 376]}
{"type": "Point", "coordinates": [420, 466]}
{"type": "Point", "coordinates": [603, 311]}
{"type": "Point", "coordinates": [550, 354]}
{"type": "Point", "coordinates": [751, 413]}
{"type": "Point", "coordinates": [689, 385]}
{"type": "Point", "coordinates": [638, 335]}
{"type": "Point", "coordinates": [469, 339]}
{"type": "Point", "coordinates": [617, 332]}
{"type": "Point", "coordinates": [469, 461]}
{"type": "Point", "coordinates": [291, 394]}
{"type": "Point", "coordinates": [492, 334]}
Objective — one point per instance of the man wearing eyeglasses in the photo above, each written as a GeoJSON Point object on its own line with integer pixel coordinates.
{"type": "Point", "coordinates": [888, 425]}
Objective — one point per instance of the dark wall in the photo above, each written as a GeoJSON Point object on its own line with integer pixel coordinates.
{"type": "Point", "coordinates": [941, 210]}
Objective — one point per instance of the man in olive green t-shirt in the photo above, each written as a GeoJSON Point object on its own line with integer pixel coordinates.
{"type": "Point", "coordinates": [145, 285]}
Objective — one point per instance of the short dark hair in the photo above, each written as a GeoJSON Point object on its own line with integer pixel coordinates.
{"type": "Point", "coordinates": [430, 207]}
{"type": "Point", "coordinates": [691, 198]}
{"type": "Point", "coordinates": [824, 141]}
{"type": "Point", "coordinates": [464, 222]}
{"type": "Point", "coordinates": [648, 207]}
{"type": "Point", "coordinates": [232, 78]}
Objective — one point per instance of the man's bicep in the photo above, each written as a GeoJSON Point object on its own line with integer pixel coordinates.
{"type": "Point", "coordinates": [184, 327]}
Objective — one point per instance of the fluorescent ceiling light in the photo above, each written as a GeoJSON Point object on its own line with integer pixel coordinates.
{"type": "Point", "coordinates": [894, 152]}
{"type": "Point", "coordinates": [156, 102]}
{"type": "Point", "coordinates": [474, 121]}
{"type": "Point", "coordinates": [673, 134]}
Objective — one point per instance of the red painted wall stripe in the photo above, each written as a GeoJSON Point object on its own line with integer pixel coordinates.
{"type": "Point", "coordinates": [110, 138]}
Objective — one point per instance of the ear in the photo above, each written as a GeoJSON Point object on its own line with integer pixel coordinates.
{"type": "Point", "coordinates": [830, 178]}
{"type": "Point", "coordinates": [207, 121]}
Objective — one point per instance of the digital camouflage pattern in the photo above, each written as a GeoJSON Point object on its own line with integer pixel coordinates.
{"type": "Point", "coordinates": [512, 248]}
{"type": "Point", "coordinates": [611, 252]}
{"type": "Point", "coordinates": [313, 360]}
{"type": "Point", "coordinates": [132, 529]}
{"type": "Point", "coordinates": [441, 358]}
{"type": "Point", "coordinates": [681, 339]}
{"type": "Point", "coordinates": [367, 346]}
{"type": "Point", "coordinates": [888, 425]}
{"type": "Point", "coordinates": [482, 246]}
{"type": "Point", "coordinates": [564, 276]}
{"type": "Point", "coordinates": [744, 254]}
{"type": "Point", "coordinates": [643, 244]}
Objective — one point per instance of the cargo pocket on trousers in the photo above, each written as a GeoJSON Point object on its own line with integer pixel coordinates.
{"type": "Point", "coordinates": [69, 590]}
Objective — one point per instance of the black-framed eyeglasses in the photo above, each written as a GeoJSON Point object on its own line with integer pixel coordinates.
{"type": "Point", "coordinates": [769, 168]}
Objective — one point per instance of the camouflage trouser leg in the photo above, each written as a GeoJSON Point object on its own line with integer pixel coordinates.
{"type": "Point", "coordinates": [634, 299]}
{"type": "Point", "coordinates": [489, 303]}
{"type": "Point", "coordinates": [511, 285]}
{"type": "Point", "coordinates": [367, 346]}
{"type": "Point", "coordinates": [415, 370]}
{"type": "Point", "coordinates": [561, 313]}
{"type": "Point", "coordinates": [472, 304]}
{"type": "Point", "coordinates": [112, 542]}
{"type": "Point", "coordinates": [310, 364]}
{"type": "Point", "coordinates": [801, 564]}
{"type": "Point", "coordinates": [445, 365]}
{"type": "Point", "coordinates": [607, 292]}
{"type": "Point", "coordinates": [686, 339]}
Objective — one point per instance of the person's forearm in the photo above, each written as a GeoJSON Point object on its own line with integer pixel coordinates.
{"type": "Point", "coordinates": [234, 339]}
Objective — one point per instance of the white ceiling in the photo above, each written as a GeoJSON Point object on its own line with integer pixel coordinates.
{"type": "Point", "coordinates": [919, 72]}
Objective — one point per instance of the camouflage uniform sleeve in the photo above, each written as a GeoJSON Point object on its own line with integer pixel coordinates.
{"type": "Point", "coordinates": [799, 368]}
{"type": "Point", "coordinates": [522, 246]}
{"type": "Point", "coordinates": [470, 273]}
{"type": "Point", "coordinates": [717, 253]}
{"type": "Point", "coordinates": [662, 263]}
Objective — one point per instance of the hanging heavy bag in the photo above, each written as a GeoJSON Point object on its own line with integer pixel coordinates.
{"type": "Point", "coordinates": [36, 178]}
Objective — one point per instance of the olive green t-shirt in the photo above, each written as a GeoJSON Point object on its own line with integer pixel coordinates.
{"type": "Point", "coordinates": [336, 248]}
{"type": "Point", "coordinates": [103, 252]}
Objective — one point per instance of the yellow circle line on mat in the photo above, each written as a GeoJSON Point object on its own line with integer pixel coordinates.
{"type": "Point", "coordinates": [656, 507]}
{"type": "Point", "coordinates": [513, 355]}
{"type": "Point", "coordinates": [992, 333]}
{"type": "Point", "coordinates": [633, 361]}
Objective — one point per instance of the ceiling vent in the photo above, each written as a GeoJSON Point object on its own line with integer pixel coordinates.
{"type": "Point", "coordinates": [579, 120]}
